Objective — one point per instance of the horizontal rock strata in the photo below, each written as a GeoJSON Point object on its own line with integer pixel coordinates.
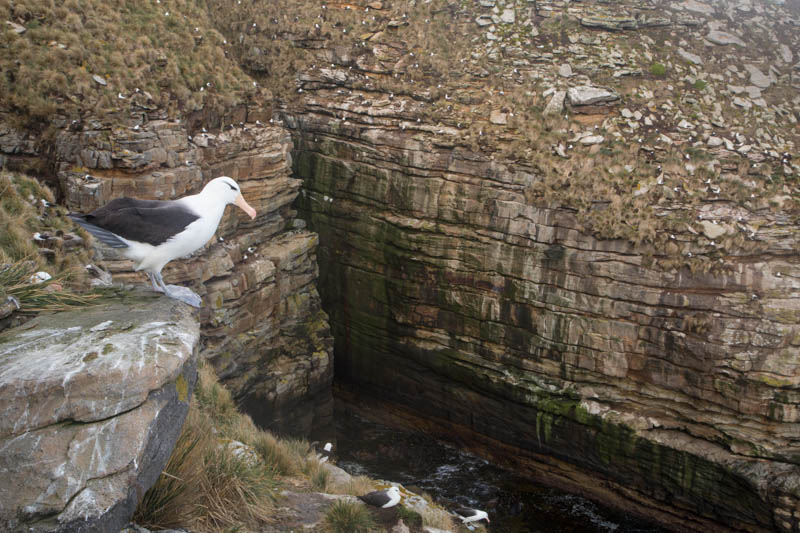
{"type": "Point", "coordinates": [452, 295]}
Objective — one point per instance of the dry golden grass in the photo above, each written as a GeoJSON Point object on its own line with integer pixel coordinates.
{"type": "Point", "coordinates": [437, 518]}
{"type": "Point", "coordinates": [356, 486]}
{"type": "Point", "coordinates": [207, 486]}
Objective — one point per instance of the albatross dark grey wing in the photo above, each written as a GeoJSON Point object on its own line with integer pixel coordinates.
{"type": "Point", "coordinates": [148, 221]}
{"type": "Point", "coordinates": [378, 498]}
{"type": "Point", "coordinates": [104, 236]}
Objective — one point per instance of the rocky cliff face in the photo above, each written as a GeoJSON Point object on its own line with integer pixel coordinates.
{"type": "Point", "coordinates": [639, 344]}
{"type": "Point", "coordinates": [262, 325]}
{"type": "Point", "coordinates": [93, 402]}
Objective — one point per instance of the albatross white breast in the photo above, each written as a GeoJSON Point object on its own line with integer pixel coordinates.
{"type": "Point", "coordinates": [154, 232]}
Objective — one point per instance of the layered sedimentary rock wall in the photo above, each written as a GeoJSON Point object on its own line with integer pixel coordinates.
{"type": "Point", "coordinates": [658, 373]}
{"type": "Point", "coordinates": [262, 324]}
{"type": "Point", "coordinates": [451, 295]}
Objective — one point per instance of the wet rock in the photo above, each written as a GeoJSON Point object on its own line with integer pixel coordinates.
{"type": "Point", "coordinates": [94, 400]}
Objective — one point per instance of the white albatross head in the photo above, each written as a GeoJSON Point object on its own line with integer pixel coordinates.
{"type": "Point", "coordinates": [224, 188]}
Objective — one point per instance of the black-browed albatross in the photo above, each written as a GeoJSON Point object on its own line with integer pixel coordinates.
{"type": "Point", "coordinates": [382, 498]}
{"type": "Point", "coordinates": [154, 232]}
{"type": "Point", "coordinates": [468, 514]}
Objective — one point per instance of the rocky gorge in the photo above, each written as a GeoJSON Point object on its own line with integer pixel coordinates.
{"type": "Point", "coordinates": [560, 234]}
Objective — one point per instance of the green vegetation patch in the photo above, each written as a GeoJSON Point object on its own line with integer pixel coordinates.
{"type": "Point", "coordinates": [658, 70]}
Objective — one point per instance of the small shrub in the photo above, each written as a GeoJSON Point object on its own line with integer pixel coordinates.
{"type": "Point", "coordinates": [700, 85]}
{"type": "Point", "coordinates": [348, 517]}
{"type": "Point", "coordinates": [658, 70]}
{"type": "Point", "coordinates": [410, 517]}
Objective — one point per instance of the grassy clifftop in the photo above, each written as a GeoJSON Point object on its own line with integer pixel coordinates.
{"type": "Point", "coordinates": [93, 57]}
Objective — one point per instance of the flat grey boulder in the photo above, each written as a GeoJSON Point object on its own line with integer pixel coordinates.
{"type": "Point", "coordinates": [758, 78]}
{"type": "Point", "coordinates": [723, 38]}
{"type": "Point", "coordinates": [93, 401]}
{"type": "Point", "coordinates": [587, 95]}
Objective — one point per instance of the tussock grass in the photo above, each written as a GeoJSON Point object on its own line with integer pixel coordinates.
{"type": "Point", "coordinates": [207, 486]}
{"type": "Point", "coordinates": [356, 486]}
{"type": "Point", "coordinates": [38, 297]}
{"type": "Point", "coordinates": [438, 518]}
{"type": "Point", "coordinates": [319, 476]}
{"type": "Point", "coordinates": [168, 50]}
{"type": "Point", "coordinates": [410, 517]}
{"type": "Point", "coordinates": [25, 209]}
{"type": "Point", "coordinates": [349, 517]}
{"type": "Point", "coordinates": [285, 457]}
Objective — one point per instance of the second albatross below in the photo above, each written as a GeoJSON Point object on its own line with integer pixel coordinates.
{"type": "Point", "coordinates": [154, 232]}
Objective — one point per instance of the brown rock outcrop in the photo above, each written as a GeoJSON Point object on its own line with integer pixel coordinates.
{"type": "Point", "coordinates": [93, 402]}
{"type": "Point", "coordinates": [262, 324]}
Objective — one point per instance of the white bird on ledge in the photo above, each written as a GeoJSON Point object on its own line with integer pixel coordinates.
{"type": "Point", "coordinates": [154, 232]}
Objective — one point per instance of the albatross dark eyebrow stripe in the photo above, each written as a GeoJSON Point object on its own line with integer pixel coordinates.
{"type": "Point", "coordinates": [231, 185]}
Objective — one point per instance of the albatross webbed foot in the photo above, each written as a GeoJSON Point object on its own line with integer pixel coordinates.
{"type": "Point", "coordinates": [177, 292]}
{"type": "Point", "coordinates": [184, 294]}
{"type": "Point", "coordinates": [153, 280]}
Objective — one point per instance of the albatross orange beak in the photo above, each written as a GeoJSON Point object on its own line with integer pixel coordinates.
{"type": "Point", "coordinates": [240, 201]}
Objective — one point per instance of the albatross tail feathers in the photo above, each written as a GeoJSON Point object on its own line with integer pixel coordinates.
{"type": "Point", "coordinates": [104, 236]}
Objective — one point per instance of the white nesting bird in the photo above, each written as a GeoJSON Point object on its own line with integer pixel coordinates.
{"type": "Point", "coordinates": [468, 514]}
{"type": "Point", "coordinates": [382, 498]}
{"type": "Point", "coordinates": [154, 232]}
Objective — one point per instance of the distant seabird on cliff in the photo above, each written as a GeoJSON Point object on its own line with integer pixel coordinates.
{"type": "Point", "coordinates": [382, 498]}
{"type": "Point", "coordinates": [467, 515]}
{"type": "Point", "coordinates": [326, 453]}
{"type": "Point", "coordinates": [154, 232]}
